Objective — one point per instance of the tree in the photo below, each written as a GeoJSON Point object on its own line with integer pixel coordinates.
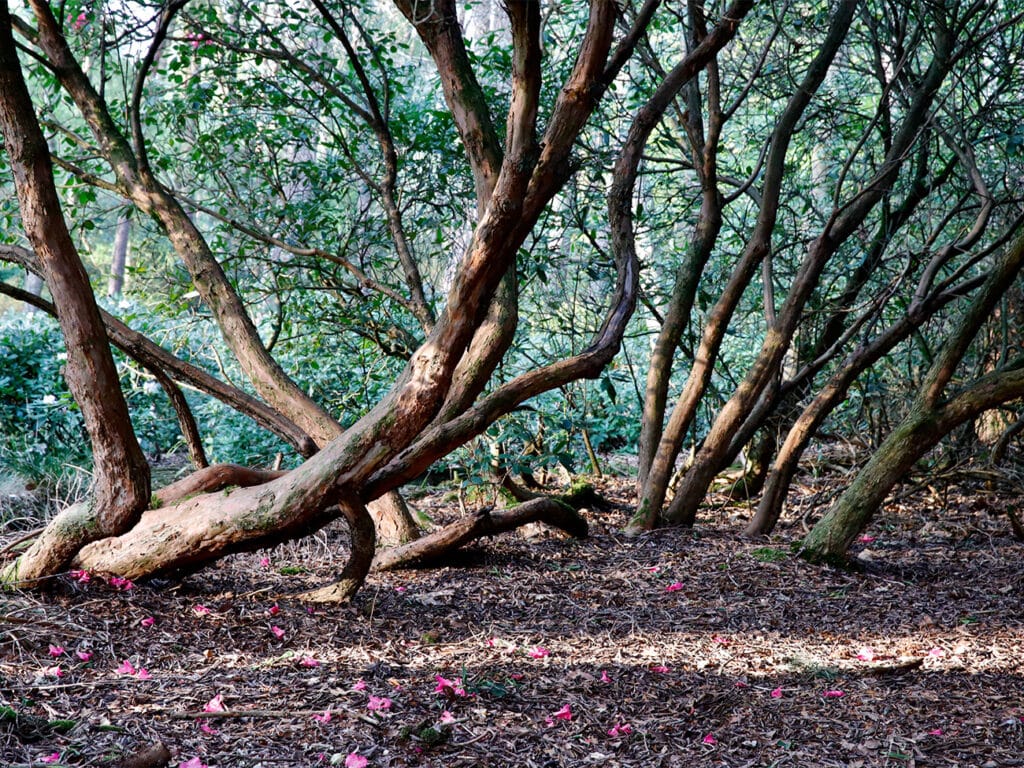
{"type": "Point", "coordinates": [437, 401]}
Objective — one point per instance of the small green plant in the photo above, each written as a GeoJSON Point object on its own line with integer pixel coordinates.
{"type": "Point", "coordinates": [769, 555]}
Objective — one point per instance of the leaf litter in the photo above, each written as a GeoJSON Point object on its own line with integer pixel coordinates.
{"type": "Point", "coordinates": [675, 648]}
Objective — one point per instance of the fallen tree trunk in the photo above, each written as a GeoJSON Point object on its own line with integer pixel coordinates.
{"type": "Point", "coordinates": [553, 511]}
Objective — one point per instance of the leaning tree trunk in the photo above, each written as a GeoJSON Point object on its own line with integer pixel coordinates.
{"type": "Point", "coordinates": [120, 490]}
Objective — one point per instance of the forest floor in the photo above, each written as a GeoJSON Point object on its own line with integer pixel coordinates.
{"type": "Point", "coordinates": [677, 648]}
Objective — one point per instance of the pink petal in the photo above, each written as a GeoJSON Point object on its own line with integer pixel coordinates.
{"type": "Point", "coordinates": [149, 621]}
{"type": "Point", "coordinates": [833, 694]}
{"type": "Point", "coordinates": [936, 652]}
{"type": "Point", "coordinates": [205, 728]}
{"type": "Point", "coordinates": [274, 610]}
{"type": "Point", "coordinates": [264, 562]}
{"type": "Point", "coordinates": [355, 760]}
{"type": "Point", "coordinates": [83, 655]}
{"type": "Point", "coordinates": [216, 704]}
{"type": "Point", "coordinates": [195, 762]}
{"type": "Point", "coordinates": [53, 757]}
{"type": "Point", "coordinates": [675, 586]}
{"type": "Point", "coordinates": [324, 717]}
{"type": "Point", "coordinates": [56, 650]}
{"type": "Point", "coordinates": [866, 654]}
{"type": "Point", "coordinates": [120, 583]}
{"type": "Point", "coordinates": [565, 713]}
{"type": "Point", "coordinates": [549, 722]}
{"type": "Point", "coordinates": [447, 717]}
{"type": "Point", "coordinates": [379, 704]}
{"type": "Point", "coordinates": [604, 676]}
{"type": "Point", "coordinates": [277, 632]}
{"type": "Point", "coordinates": [620, 729]}
{"type": "Point", "coordinates": [143, 674]}
{"type": "Point", "coordinates": [709, 739]}
{"type": "Point", "coordinates": [740, 684]}
{"type": "Point", "coordinates": [654, 568]}
{"type": "Point", "coordinates": [359, 685]}
{"type": "Point", "coordinates": [721, 640]}
{"type": "Point", "coordinates": [935, 732]}
{"type": "Point", "coordinates": [309, 661]}
{"type": "Point", "coordinates": [82, 577]}
{"type": "Point", "coordinates": [126, 668]}
{"type": "Point", "coordinates": [200, 610]}
{"type": "Point", "coordinates": [776, 693]}
{"type": "Point", "coordinates": [865, 539]}
{"type": "Point", "coordinates": [55, 671]}
{"type": "Point", "coordinates": [400, 589]}
{"type": "Point", "coordinates": [659, 668]}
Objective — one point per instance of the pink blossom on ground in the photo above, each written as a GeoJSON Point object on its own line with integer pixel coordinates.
{"type": "Point", "coordinates": [565, 713]}
{"type": "Point", "coordinates": [447, 717]}
{"type": "Point", "coordinates": [54, 671]}
{"type": "Point", "coordinates": [935, 732]}
{"type": "Point", "coordinates": [400, 589]}
{"type": "Point", "coordinates": [82, 577]}
{"type": "Point", "coordinates": [149, 621]}
{"type": "Point", "coordinates": [865, 539]}
{"type": "Point", "coordinates": [740, 684]}
{"type": "Point", "coordinates": [867, 653]}
{"type": "Point", "coordinates": [120, 583]}
{"type": "Point", "coordinates": [83, 655]}
{"type": "Point", "coordinates": [936, 652]}
{"type": "Point", "coordinates": [264, 562]}
{"type": "Point", "coordinates": [56, 650]}
{"type": "Point", "coordinates": [720, 640]}
{"type": "Point", "coordinates": [195, 762]}
{"type": "Point", "coordinates": [309, 661]}
{"type": "Point", "coordinates": [660, 668]}
{"type": "Point", "coordinates": [654, 568]}
{"type": "Point", "coordinates": [355, 760]}
{"type": "Point", "coordinates": [143, 674]}
{"type": "Point", "coordinates": [200, 610]}
{"type": "Point", "coordinates": [834, 694]}
{"type": "Point", "coordinates": [205, 728]}
{"type": "Point", "coordinates": [274, 609]}
{"type": "Point", "coordinates": [323, 717]}
{"type": "Point", "coordinates": [359, 685]}
{"type": "Point", "coordinates": [604, 676]}
{"type": "Point", "coordinates": [620, 729]}
{"type": "Point", "coordinates": [379, 704]}
{"type": "Point", "coordinates": [277, 632]}
{"type": "Point", "coordinates": [216, 704]}
{"type": "Point", "coordinates": [126, 668]}
{"type": "Point", "coordinates": [53, 757]}
{"type": "Point", "coordinates": [709, 739]}
{"type": "Point", "coordinates": [675, 586]}
{"type": "Point", "coordinates": [776, 693]}
{"type": "Point", "coordinates": [449, 687]}
{"type": "Point", "coordinates": [538, 652]}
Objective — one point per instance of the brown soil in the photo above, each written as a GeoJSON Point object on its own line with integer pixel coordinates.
{"type": "Point", "coordinates": [703, 650]}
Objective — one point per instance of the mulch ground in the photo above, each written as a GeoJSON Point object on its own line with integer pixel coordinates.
{"type": "Point", "coordinates": [677, 648]}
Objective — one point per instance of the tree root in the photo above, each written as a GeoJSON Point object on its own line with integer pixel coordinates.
{"type": "Point", "coordinates": [556, 512]}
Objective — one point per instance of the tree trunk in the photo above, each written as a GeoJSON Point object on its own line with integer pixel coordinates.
{"type": "Point", "coordinates": [119, 257]}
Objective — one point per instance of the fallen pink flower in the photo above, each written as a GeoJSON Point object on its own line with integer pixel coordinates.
{"type": "Point", "coordinates": [654, 568]}
{"type": "Point", "coordinates": [538, 652]}
{"type": "Point", "coordinates": [833, 694]}
{"type": "Point", "coordinates": [776, 693]}
{"type": "Point", "coordinates": [865, 539]}
{"type": "Point", "coordinates": [604, 676]}
{"type": "Point", "coordinates": [83, 655]}
{"type": "Point", "coordinates": [935, 732]}
{"type": "Point", "coordinates": [565, 713]}
{"type": "Point", "coordinates": [195, 762]}
{"type": "Point", "coordinates": [448, 687]}
{"type": "Point", "coordinates": [866, 654]}
{"type": "Point", "coordinates": [216, 704]}
{"type": "Point", "coordinates": [936, 652]}
{"type": "Point", "coordinates": [517, 675]}
{"type": "Point", "coordinates": [205, 728]}
{"type": "Point", "coordinates": [309, 661]}
{"type": "Point", "coordinates": [400, 589]}
{"type": "Point", "coordinates": [324, 717]}
{"type": "Point", "coordinates": [378, 704]}
{"type": "Point", "coordinates": [661, 668]}
{"type": "Point", "coordinates": [53, 757]}
{"type": "Point", "coordinates": [82, 577]}
{"type": "Point", "coordinates": [143, 674]}
{"type": "Point", "coordinates": [447, 717]}
{"type": "Point", "coordinates": [675, 586]}
{"type": "Point", "coordinates": [720, 640]}
{"type": "Point", "coordinates": [620, 729]}
{"type": "Point", "coordinates": [120, 583]}
{"type": "Point", "coordinates": [274, 609]}
{"type": "Point", "coordinates": [355, 760]}
{"type": "Point", "coordinates": [277, 632]}
{"type": "Point", "coordinates": [200, 610]}
{"type": "Point", "coordinates": [264, 562]}
{"type": "Point", "coordinates": [54, 671]}
{"type": "Point", "coordinates": [126, 668]}
{"type": "Point", "coordinates": [359, 685]}
{"type": "Point", "coordinates": [740, 684]}
{"type": "Point", "coordinates": [149, 621]}
{"type": "Point", "coordinates": [56, 650]}
{"type": "Point", "coordinates": [709, 739]}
